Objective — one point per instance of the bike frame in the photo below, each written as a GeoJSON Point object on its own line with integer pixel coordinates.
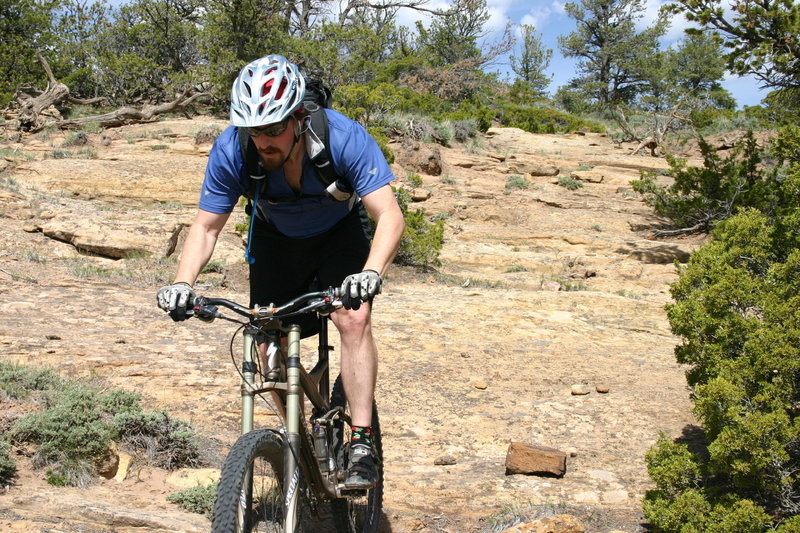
{"type": "Point", "coordinates": [289, 398]}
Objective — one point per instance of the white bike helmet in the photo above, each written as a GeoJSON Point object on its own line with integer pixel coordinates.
{"type": "Point", "coordinates": [266, 91]}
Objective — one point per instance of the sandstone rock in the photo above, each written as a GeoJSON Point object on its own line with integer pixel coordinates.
{"type": "Point", "coordinates": [533, 167]}
{"type": "Point", "coordinates": [602, 389]}
{"type": "Point", "coordinates": [420, 195]}
{"type": "Point", "coordinates": [99, 238]}
{"type": "Point", "coordinates": [614, 496]}
{"type": "Point", "coordinates": [551, 285]}
{"type": "Point", "coordinates": [422, 158]}
{"type": "Point", "coordinates": [590, 498]}
{"type": "Point", "coordinates": [108, 466]}
{"type": "Point", "coordinates": [123, 467]}
{"type": "Point", "coordinates": [479, 195]}
{"type": "Point", "coordinates": [551, 524]}
{"type": "Point", "coordinates": [186, 478]}
{"type": "Point", "coordinates": [536, 460]}
{"type": "Point", "coordinates": [480, 385]}
{"type": "Point", "coordinates": [580, 390]}
{"type": "Point", "coordinates": [445, 460]}
{"type": "Point", "coordinates": [590, 176]}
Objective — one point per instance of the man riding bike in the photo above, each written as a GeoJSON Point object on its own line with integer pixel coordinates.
{"type": "Point", "coordinates": [301, 235]}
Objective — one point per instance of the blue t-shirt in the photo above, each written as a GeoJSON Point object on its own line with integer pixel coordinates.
{"type": "Point", "coordinates": [356, 158]}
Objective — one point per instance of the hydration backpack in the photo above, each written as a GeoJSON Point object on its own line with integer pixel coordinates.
{"type": "Point", "coordinates": [316, 99]}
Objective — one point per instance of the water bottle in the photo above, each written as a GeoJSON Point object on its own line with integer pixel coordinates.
{"type": "Point", "coordinates": [321, 447]}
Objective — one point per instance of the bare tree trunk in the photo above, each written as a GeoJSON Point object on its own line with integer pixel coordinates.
{"type": "Point", "coordinates": [29, 110]}
{"type": "Point", "coordinates": [87, 101]}
{"type": "Point", "coordinates": [128, 114]}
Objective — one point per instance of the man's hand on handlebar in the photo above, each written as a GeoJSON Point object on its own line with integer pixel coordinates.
{"type": "Point", "coordinates": [361, 287]}
{"type": "Point", "coordinates": [176, 299]}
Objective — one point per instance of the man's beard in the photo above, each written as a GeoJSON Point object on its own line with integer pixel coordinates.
{"type": "Point", "coordinates": [272, 160]}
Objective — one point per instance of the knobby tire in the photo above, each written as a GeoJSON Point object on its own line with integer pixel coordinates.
{"type": "Point", "coordinates": [250, 490]}
{"type": "Point", "coordinates": [359, 512]}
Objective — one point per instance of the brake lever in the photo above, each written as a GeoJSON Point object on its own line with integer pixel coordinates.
{"type": "Point", "coordinates": [206, 313]}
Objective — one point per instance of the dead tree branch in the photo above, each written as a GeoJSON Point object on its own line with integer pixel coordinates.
{"type": "Point", "coordinates": [31, 108]}
{"type": "Point", "coordinates": [127, 114]}
{"type": "Point", "coordinates": [28, 109]}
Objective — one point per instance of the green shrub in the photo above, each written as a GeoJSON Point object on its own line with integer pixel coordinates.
{"type": "Point", "coordinates": [58, 154]}
{"type": "Point", "coordinates": [75, 432]}
{"type": "Point", "coordinates": [482, 116]}
{"type": "Point", "coordinates": [75, 139]}
{"type": "Point", "coordinates": [198, 499]}
{"type": "Point", "coordinates": [422, 239]}
{"type": "Point", "coordinates": [463, 130]}
{"type": "Point", "coordinates": [8, 467]}
{"type": "Point", "coordinates": [737, 310]}
{"type": "Point", "coordinates": [169, 442]}
{"type": "Point", "coordinates": [570, 183]}
{"type": "Point", "coordinates": [71, 434]}
{"type": "Point", "coordinates": [702, 196]}
{"type": "Point", "coordinates": [19, 381]}
{"type": "Point", "coordinates": [515, 181]}
{"type": "Point", "coordinates": [414, 179]}
{"type": "Point", "coordinates": [542, 120]}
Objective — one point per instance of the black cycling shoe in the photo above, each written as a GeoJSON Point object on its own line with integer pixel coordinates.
{"type": "Point", "coordinates": [362, 470]}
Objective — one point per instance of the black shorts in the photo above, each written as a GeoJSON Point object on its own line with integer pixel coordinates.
{"type": "Point", "coordinates": [286, 268]}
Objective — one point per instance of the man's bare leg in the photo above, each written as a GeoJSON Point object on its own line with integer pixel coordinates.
{"type": "Point", "coordinates": [359, 362]}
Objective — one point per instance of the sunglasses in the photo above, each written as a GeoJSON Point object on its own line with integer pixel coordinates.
{"type": "Point", "coordinates": [270, 130]}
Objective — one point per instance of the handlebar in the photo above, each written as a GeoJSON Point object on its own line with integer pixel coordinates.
{"type": "Point", "coordinates": [313, 302]}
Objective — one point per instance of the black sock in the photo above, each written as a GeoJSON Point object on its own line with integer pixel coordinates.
{"type": "Point", "coordinates": [361, 435]}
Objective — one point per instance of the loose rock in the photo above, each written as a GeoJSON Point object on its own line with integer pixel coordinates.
{"type": "Point", "coordinates": [535, 460]}
{"type": "Point", "coordinates": [580, 390]}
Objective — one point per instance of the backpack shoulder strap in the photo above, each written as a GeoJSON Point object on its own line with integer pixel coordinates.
{"type": "Point", "coordinates": [250, 158]}
{"type": "Point", "coordinates": [336, 186]}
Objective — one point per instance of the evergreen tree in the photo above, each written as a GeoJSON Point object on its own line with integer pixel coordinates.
{"type": "Point", "coordinates": [25, 29]}
{"type": "Point", "coordinates": [762, 37]}
{"type": "Point", "coordinates": [531, 64]}
{"type": "Point", "coordinates": [613, 55]}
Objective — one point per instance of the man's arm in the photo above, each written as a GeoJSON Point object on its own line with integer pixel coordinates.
{"type": "Point", "coordinates": [382, 206]}
{"type": "Point", "coordinates": [199, 244]}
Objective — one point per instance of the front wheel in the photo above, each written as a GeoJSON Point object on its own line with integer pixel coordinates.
{"type": "Point", "coordinates": [359, 511]}
{"type": "Point", "coordinates": [250, 491]}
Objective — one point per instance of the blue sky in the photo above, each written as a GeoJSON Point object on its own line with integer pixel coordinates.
{"type": "Point", "coordinates": [551, 21]}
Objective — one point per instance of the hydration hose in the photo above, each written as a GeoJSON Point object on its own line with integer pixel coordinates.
{"type": "Point", "coordinates": [247, 257]}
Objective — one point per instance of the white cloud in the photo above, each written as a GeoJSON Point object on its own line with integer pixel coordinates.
{"type": "Point", "coordinates": [676, 23]}
{"type": "Point", "coordinates": [409, 17]}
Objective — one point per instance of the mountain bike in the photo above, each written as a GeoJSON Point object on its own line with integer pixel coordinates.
{"type": "Point", "coordinates": [290, 479]}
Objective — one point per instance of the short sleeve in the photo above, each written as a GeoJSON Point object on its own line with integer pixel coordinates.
{"type": "Point", "coordinates": [223, 184]}
{"type": "Point", "coordinates": [356, 155]}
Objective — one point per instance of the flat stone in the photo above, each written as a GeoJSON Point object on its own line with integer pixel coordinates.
{"type": "Point", "coordinates": [535, 460]}
{"type": "Point", "coordinates": [591, 498]}
{"type": "Point", "coordinates": [614, 496]}
{"type": "Point", "coordinates": [580, 390]}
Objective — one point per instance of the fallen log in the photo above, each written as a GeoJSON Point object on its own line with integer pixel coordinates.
{"type": "Point", "coordinates": [127, 114]}
{"type": "Point", "coordinates": [28, 109]}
